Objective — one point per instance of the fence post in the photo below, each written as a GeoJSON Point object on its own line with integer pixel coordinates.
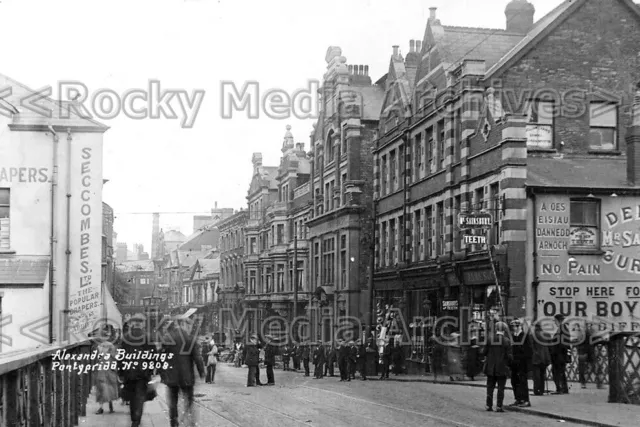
{"type": "Point", "coordinates": [11, 398]}
{"type": "Point", "coordinates": [34, 411]}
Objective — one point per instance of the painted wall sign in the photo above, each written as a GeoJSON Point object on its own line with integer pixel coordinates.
{"type": "Point", "coordinates": [479, 277]}
{"type": "Point", "coordinates": [469, 239]}
{"type": "Point", "coordinates": [24, 174]}
{"type": "Point", "coordinates": [561, 246]}
{"type": "Point", "coordinates": [85, 293]}
{"type": "Point", "coordinates": [450, 305]}
{"type": "Point", "coordinates": [539, 136]}
{"type": "Point", "coordinates": [612, 307]}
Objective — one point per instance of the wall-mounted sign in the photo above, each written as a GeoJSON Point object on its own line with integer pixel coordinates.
{"type": "Point", "coordinates": [449, 305]}
{"type": "Point", "coordinates": [608, 307]}
{"type": "Point", "coordinates": [24, 174]}
{"type": "Point", "coordinates": [470, 239]}
{"type": "Point", "coordinates": [583, 238]}
{"type": "Point", "coordinates": [479, 277]}
{"type": "Point", "coordinates": [470, 221]}
{"type": "Point", "coordinates": [539, 136]}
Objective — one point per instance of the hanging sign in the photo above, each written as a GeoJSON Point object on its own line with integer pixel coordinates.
{"type": "Point", "coordinates": [474, 221]}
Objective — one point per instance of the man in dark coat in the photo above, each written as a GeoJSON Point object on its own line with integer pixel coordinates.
{"type": "Point", "coordinates": [353, 360]}
{"type": "Point", "coordinates": [499, 357]}
{"type": "Point", "coordinates": [331, 359]}
{"type": "Point", "coordinates": [305, 355]}
{"type": "Point", "coordinates": [560, 356]}
{"type": "Point", "coordinates": [135, 340]}
{"type": "Point", "coordinates": [295, 355]}
{"type": "Point", "coordinates": [286, 358]}
{"type": "Point", "coordinates": [397, 356]}
{"type": "Point", "coordinates": [343, 360]}
{"type": "Point", "coordinates": [179, 377]}
{"type": "Point", "coordinates": [540, 359]}
{"type": "Point", "coordinates": [251, 358]}
{"type": "Point", "coordinates": [362, 360]}
{"type": "Point", "coordinates": [270, 359]}
{"type": "Point", "coordinates": [522, 357]}
{"type": "Point", "coordinates": [318, 361]}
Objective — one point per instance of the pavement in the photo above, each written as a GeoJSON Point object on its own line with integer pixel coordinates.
{"type": "Point", "coordinates": [403, 400]}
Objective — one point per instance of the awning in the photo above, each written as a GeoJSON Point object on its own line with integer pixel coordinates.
{"type": "Point", "coordinates": [188, 313]}
{"type": "Point", "coordinates": [110, 310]}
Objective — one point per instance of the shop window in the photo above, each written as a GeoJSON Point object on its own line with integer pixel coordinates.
{"type": "Point", "coordinates": [540, 124]}
{"type": "Point", "coordinates": [603, 123]}
{"type": "Point", "coordinates": [585, 224]}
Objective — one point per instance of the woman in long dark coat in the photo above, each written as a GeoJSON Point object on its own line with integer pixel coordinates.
{"type": "Point", "coordinates": [106, 380]}
{"type": "Point", "coordinates": [499, 356]}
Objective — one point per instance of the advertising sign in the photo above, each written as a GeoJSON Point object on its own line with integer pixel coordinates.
{"type": "Point", "coordinates": [608, 307]}
{"type": "Point", "coordinates": [85, 290]}
{"type": "Point", "coordinates": [608, 251]}
{"type": "Point", "coordinates": [471, 221]}
{"type": "Point", "coordinates": [539, 136]}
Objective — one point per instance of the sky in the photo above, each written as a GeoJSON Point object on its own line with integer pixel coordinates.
{"type": "Point", "coordinates": [156, 165]}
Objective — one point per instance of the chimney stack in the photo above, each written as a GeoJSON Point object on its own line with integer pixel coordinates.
{"type": "Point", "coordinates": [519, 15]}
{"type": "Point", "coordinates": [418, 46]}
{"type": "Point", "coordinates": [350, 69]}
{"type": "Point", "coordinates": [361, 70]}
{"type": "Point", "coordinates": [154, 235]}
{"type": "Point", "coordinates": [633, 142]}
{"type": "Point", "coordinates": [256, 160]}
{"type": "Point", "coordinates": [432, 13]}
{"type": "Point", "coordinates": [395, 51]}
{"type": "Point", "coordinates": [366, 70]}
{"type": "Point", "coordinates": [412, 46]}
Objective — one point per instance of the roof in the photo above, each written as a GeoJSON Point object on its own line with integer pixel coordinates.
{"type": "Point", "coordinates": [534, 34]}
{"type": "Point", "coordinates": [133, 266]}
{"type": "Point", "coordinates": [174, 236]}
{"type": "Point", "coordinates": [207, 237]}
{"type": "Point", "coordinates": [585, 172]}
{"type": "Point", "coordinates": [460, 43]}
{"type": "Point", "coordinates": [62, 112]}
{"type": "Point", "coordinates": [372, 100]}
{"type": "Point", "coordinates": [207, 267]}
{"type": "Point", "coordinates": [23, 270]}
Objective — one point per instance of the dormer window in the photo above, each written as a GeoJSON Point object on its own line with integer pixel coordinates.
{"type": "Point", "coordinates": [603, 124]}
{"type": "Point", "coordinates": [540, 124]}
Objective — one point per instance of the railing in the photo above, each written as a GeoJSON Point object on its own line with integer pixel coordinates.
{"type": "Point", "coordinates": [33, 393]}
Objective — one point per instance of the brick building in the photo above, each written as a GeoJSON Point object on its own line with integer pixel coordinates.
{"type": "Point", "coordinates": [278, 201]}
{"type": "Point", "coordinates": [499, 117]}
{"type": "Point", "coordinates": [232, 279]}
{"type": "Point", "coordinates": [340, 232]}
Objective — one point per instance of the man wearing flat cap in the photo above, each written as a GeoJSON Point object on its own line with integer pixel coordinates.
{"type": "Point", "coordinates": [560, 356]}
{"type": "Point", "coordinates": [343, 360]}
{"type": "Point", "coordinates": [353, 360]}
{"type": "Point", "coordinates": [318, 361]}
{"type": "Point", "coordinates": [306, 355]}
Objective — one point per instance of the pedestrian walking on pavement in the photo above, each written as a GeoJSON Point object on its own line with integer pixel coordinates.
{"type": "Point", "coordinates": [353, 360]}
{"type": "Point", "coordinates": [385, 360]}
{"type": "Point", "coordinates": [239, 357]}
{"type": "Point", "coordinates": [305, 355]}
{"type": "Point", "coordinates": [540, 358]}
{"type": "Point", "coordinates": [286, 357]}
{"type": "Point", "coordinates": [362, 360]}
{"type": "Point", "coordinates": [560, 356]}
{"type": "Point", "coordinates": [270, 351]}
{"type": "Point", "coordinates": [252, 359]}
{"type": "Point", "coordinates": [521, 366]}
{"type": "Point", "coordinates": [318, 361]}
{"type": "Point", "coordinates": [106, 380]}
{"type": "Point", "coordinates": [135, 380]}
{"type": "Point", "coordinates": [397, 355]}
{"type": "Point", "coordinates": [180, 376]}
{"type": "Point", "coordinates": [343, 360]}
{"type": "Point", "coordinates": [332, 355]}
{"type": "Point", "coordinates": [212, 362]}
{"type": "Point", "coordinates": [499, 357]}
{"type": "Point", "coordinates": [296, 355]}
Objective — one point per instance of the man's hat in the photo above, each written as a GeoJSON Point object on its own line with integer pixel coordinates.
{"type": "Point", "coordinates": [516, 322]}
{"type": "Point", "coordinates": [351, 342]}
{"type": "Point", "coordinates": [559, 318]}
{"type": "Point", "coordinates": [138, 316]}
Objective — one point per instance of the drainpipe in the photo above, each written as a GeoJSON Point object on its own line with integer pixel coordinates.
{"type": "Point", "coordinates": [534, 271]}
{"type": "Point", "coordinates": [68, 251]}
{"type": "Point", "coordinates": [52, 239]}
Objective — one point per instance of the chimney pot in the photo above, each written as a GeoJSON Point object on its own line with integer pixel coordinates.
{"type": "Point", "coordinates": [350, 69]}
{"type": "Point", "coordinates": [418, 46]}
{"type": "Point", "coordinates": [395, 50]}
{"type": "Point", "coordinates": [412, 45]}
{"type": "Point", "coordinates": [361, 70]}
{"type": "Point", "coordinates": [432, 13]}
{"type": "Point", "coordinates": [366, 70]}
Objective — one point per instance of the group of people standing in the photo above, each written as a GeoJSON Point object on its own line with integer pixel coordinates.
{"type": "Point", "coordinates": [135, 381]}
{"type": "Point", "coordinates": [516, 352]}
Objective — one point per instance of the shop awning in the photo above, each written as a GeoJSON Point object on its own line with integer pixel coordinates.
{"type": "Point", "coordinates": [110, 310]}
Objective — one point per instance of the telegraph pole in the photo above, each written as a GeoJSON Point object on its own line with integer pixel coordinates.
{"type": "Point", "coordinates": [295, 273]}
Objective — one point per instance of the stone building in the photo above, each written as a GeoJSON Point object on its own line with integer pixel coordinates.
{"type": "Point", "coordinates": [278, 201]}
{"type": "Point", "coordinates": [494, 120]}
{"type": "Point", "coordinates": [340, 230]}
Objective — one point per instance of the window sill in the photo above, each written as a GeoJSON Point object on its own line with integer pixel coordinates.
{"type": "Point", "coordinates": [606, 152]}
{"type": "Point", "coordinates": [585, 252]}
{"type": "Point", "coordinates": [8, 252]}
{"type": "Point", "coordinates": [541, 150]}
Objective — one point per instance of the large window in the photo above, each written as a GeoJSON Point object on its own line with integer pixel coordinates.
{"type": "Point", "coordinates": [441, 228]}
{"type": "Point", "coordinates": [316, 263]}
{"type": "Point", "coordinates": [252, 282]}
{"type": "Point", "coordinates": [280, 277]}
{"type": "Point", "coordinates": [343, 261]}
{"type": "Point", "coordinates": [429, 237]}
{"type": "Point", "coordinates": [417, 232]}
{"type": "Point", "coordinates": [603, 123]}
{"type": "Point", "coordinates": [441, 138]}
{"type": "Point", "coordinates": [419, 153]}
{"type": "Point", "coordinates": [585, 222]}
{"type": "Point", "coordinates": [457, 142]}
{"type": "Point", "coordinates": [328, 260]}
{"type": "Point", "coordinates": [5, 223]}
{"type": "Point", "coordinates": [540, 124]}
{"type": "Point", "coordinates": [383, 175]}
{"type": "Point", "coordinates": [393, 245]}
{"type": "Point", "coordinates": [280, 234]}
{"type": "Point", "coordinates": [430, 148]}
{"type": "Point", "coordinates": [394, 171]}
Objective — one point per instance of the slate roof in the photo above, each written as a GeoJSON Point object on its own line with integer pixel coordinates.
{"type": "Point", "coordinates": [195, 242]}
{"type": "Point", "coordinates": [372, 99]}
{"type": "Point", "coordinates": [23, 270]}
{"type": "Point", "coordinates": [208, 267]}
{"type": "Point", "coordinates": [580, 172]}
